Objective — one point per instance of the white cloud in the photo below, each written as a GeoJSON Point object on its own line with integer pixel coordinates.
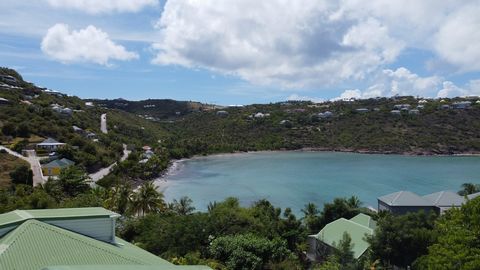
{"type": "Point", "coordinates": [103, 6]}
{"type": "Point", "coordinates": [349, 94]}
{"type": "Point", "coordinates": [286, 43]}
{"type": "Point", "coordinates": [85, 45]}
{"type": "Point", "coordinates": [458, 40]}
{"type": "Point", "coordinates": [296, 97]}
{"type": "Point", "coordinates": [314, 43]}
{"type": "Point", "coordinates": [450, 90]}
{"type": "Point", "coordinates": [403, 82]}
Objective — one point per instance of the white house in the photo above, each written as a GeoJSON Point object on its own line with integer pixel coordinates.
{"type": "Point", "coordinates": [50, 145]}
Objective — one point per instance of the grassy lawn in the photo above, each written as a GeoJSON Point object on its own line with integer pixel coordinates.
{"type": "Point", "coordinates": [33, 139]}
{"type": "Point", "coordinates": [8, 163]}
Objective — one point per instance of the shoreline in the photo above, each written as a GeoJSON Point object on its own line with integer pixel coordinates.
{"type": "Point", "coordinates": [175, 165]}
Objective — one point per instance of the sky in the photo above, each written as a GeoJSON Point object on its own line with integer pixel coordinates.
{"type": "Point", "coordinates": [244, 51]}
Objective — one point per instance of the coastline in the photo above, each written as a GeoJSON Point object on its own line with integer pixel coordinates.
{"type": "Point", "coordinates": [175, 165]}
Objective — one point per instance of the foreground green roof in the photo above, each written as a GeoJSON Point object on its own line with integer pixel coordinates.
{"type": "Point", "coordinates": [128, 267]}
{"type": "Point", "coordinates": [357, 227]}
{"type": "Point", "coordinates": [36, 245]}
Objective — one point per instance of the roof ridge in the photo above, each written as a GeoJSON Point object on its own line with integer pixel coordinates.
{"type": "Point", "coordinates": [439, 197]}
{"type": "Point", "coordinates": [396, 197]}
{"type": "Point", "coordinates": [359, 224]}
{"type": "Point", "coordinates": [23, 214]}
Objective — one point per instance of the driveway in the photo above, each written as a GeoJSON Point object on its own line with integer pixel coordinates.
{"type": "Point", "coordinates": [34, 162]}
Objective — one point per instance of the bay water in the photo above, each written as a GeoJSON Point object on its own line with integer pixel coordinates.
{"type": "Point", "coordinates": [292, 179]}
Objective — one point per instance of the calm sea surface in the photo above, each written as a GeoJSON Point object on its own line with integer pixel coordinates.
{"type": "Point", "coordinates": [292, 179]}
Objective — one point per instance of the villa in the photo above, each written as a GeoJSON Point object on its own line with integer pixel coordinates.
{"type": "Point", "coordinates": [54, 168]}
{"type": "Point", "coordinates": [71, 239]}
{"type": "Point", "coordinates": [462, 105]}
{"type": "Point", "coordinates": [402, 202]}
{"type": "Point", "coordinates": [4, 101]}
{"type": "Point", "coordinates": [362, 110]}
{"type": "Point", "coordinates": [321, 244]}
{"type": "Point", "coordinates": [50, 145]}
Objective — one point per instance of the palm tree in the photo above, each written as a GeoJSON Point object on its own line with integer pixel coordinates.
{"type": "Point", "coordinates": [309, 210]}
{"type": "Point", "coordinates": [147, 200]}
{"type": "Point", "coordinates": [184, 206]}
{"type": "Point", "coordinates": [469, 188]}
{"type": "Point", "coordinates": [354, 202]}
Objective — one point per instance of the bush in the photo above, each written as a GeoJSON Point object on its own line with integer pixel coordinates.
{"type": "Point", "coordinates": [22, 175]}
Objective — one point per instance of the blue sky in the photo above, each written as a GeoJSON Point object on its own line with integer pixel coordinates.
{"type": "Point", "coordinates": [242, 52]}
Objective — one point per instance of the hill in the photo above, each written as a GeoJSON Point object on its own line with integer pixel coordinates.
{"type": "Point", "coordinates": [370, 126]}
{"type": "Point", "coordinates": [29, 114]}
{"type": "Point", "coordinates": [154, 109]}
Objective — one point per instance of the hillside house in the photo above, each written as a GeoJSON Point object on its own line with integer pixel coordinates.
{"type": "Point", "coordinates": [50, 145]}
{"type": "Point", "coordinates": [402, 107]}
{"type": "Point", "coordinates": [362, 110]}
{"type": "Point", "coordinates": [4, 101]}
{"type": "Point", "coordinates": [402, 202]}
{"type": "Point", "coordinates": [71, 239]}
{"type": "Point", "coordinates": [8, 79]}
{"type": "Point", "coordinates": [54, 168]}
{"type": "Point", "coordinates": [462, 105]}
{"type": "Point", "coordinates": [322, 243]}
{"type": "Point", "coordinates": [78, 130]}
{"type": "Point", "coordinates": [414, 112]}
{"type": "Point", "coordinates": [445, 200]}
{"type": "Point", "coordinates": [405, 201]}
{"type": "Point", "coordinates": [327, 114]}
{"type": "Point", "coordinates": [222, 113]}
{"type": "Point", "coordinates": [395, 112]}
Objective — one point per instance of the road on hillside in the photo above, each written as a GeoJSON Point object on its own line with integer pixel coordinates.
{"type": "Point", "coordinates": [103, 123]}
{"type": "Point", "coordinates": [34, 162]}
{"type": "Point", "coordinates": [94, 177]}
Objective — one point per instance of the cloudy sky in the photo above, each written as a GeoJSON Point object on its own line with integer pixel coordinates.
{"type": "Point", "coordinates": [244, 51]}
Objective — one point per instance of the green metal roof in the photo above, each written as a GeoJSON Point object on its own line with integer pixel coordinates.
{"type": "Point", "coordinates": [128, 267]}
{"type": "Point", "coordinates": [60, 213]}
{"type": "Point", "coordinates": [357, 227]}
{"type": "Point", "coordinates": [364, 220]}
{"type": "Point", "coordinates": [59, 163]}
{"type": "Point", "coordinates": [36, 245]}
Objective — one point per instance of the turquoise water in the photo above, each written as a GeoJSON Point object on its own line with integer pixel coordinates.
{"type": "Point", "coordinates": [292, 179]}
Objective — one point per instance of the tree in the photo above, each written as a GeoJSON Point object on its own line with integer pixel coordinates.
{"type": "Point", "coordinates": [344, 252]}
{"type": "Point", "coordinates": [71, 182]}
{"type": "Point", "coordinates": [147, 200]}
{"type": "Point", "coordinates": [340, 207]}
{"type": "Point", "coordinates": [469, 188]}
{"type": "Point", "coordinates": [119, 198]}
{"type": "Point", "coordinates": [182, 207]}
{"type": "Point", "coordinates": [311, 219]}
{"type": "Point", "coordinates": [9, 129]}
{"type": "Point", "coordinates": [400, 240]}
{"type": "Point", "coordinates": [22, 175]}
{"type": "Point", "coordinates": [23, 130]}
{"type": "Point", "coordinates": [247, 251]}
{"type": "Point", "coordinates": [458, 244]}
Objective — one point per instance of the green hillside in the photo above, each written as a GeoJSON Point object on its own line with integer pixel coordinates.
{"type": "Point", "coordinates": [296, 125]}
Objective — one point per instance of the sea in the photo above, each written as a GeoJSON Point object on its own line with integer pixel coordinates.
{"type": "Point", "coordinates": [293, 179]}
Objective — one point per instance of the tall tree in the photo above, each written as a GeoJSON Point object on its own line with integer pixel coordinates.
{"type": "Point", "coordinates": [311, 218]}
{"type": "Point", "coordinates": [400, 240]}
{"type": "Point", "coordinates": [184, 206]}
{"type": "Point", "coordinates": [147, 200]}
{"type": "Point", "coordinates": [458, 244]}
